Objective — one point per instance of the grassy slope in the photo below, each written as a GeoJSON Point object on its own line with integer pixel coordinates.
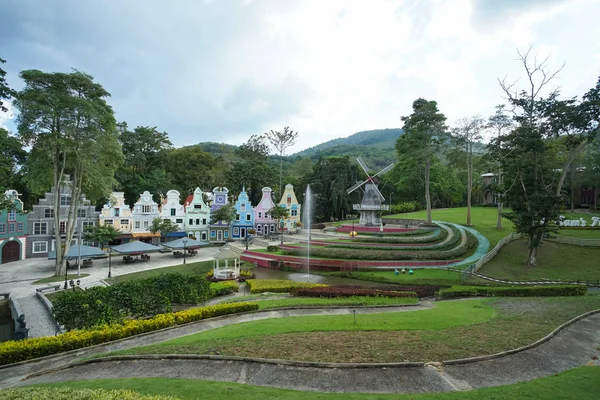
{"type": "Point", "coordinates": [554, 261]}
{"type": "Point", "coordinates": [580, 383]}
{"type": "Point", "coordinates": [195, 268]}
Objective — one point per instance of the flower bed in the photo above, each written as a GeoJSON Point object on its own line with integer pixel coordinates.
{"type": "Point", "coordinates": [15, 351]}
{"type": "Point", "coordinates": [513, 291]}
{"type": "Point", "coordinates": [420, 290]}
{"type": "Point", "coordinates": [332, 291]}
{"type": "Point", "coordinates": [433, 237]}
{"type": "Point", "coordinates": [277, 286]}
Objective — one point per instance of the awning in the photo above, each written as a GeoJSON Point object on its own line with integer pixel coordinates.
{"type": "Point", "coordinates": [145, 235]}
{"type": "Point", "coordinates": [185, 243]}
{"type": "Point", "coordinates": [135, 247]}
{"type": "Point", "coordinates": [79, 250]}
{"type": "Point", "coordinates": [176, 234]}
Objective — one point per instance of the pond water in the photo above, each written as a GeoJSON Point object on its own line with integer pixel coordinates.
{"type": "Point", "coordinates": [271, 273]}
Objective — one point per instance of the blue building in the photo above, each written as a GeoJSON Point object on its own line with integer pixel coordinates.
{"type": "Point", "coordinates": [219, 230]}
{"type": "Point", "coordinates": [13, 230]}
{"type": "Point", "coordinates": [244, 219]}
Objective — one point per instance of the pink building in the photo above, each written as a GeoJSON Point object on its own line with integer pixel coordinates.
{"type": "Point", "coordinates": [262, 220]}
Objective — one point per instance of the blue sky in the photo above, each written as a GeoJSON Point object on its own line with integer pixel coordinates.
{"type": "Point", "coordinates": [222, 70]}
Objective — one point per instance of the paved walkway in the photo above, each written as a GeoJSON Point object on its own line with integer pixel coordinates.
{"type": "Point", "coordinates": [574, 346]}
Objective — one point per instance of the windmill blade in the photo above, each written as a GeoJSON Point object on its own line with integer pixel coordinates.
{"type": "Point", "coordinates": [386, 169]}
{"type": "Point", "coordinates": [362, 165]}
{"type": "Point", "coordinates": [358, 184]}
{"type": "Point", "coordinates": [379, 193]}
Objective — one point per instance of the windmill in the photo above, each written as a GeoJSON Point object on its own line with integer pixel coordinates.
{"type": "Point", "coordinates": [370, 207]}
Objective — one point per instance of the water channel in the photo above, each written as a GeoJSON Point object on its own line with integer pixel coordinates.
{"type": "Point", "coordinates": [271, 273]}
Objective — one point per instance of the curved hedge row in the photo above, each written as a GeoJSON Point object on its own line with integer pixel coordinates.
{"type": "Point", "coordinates": [416, 232]}
{"type": "Point", "coordinates": [332, 291]}
{"type": "Point", "coordinates": [15, 351]}
{"type": "Point", "coordinates": [513, 291]}
{"type": "Point", "coordinates": [277, 285]}
{"type": "Point", "coordinates": [440, 236]}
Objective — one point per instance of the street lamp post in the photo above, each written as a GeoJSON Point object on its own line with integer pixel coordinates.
{"type": "Point", "coordinates": [75, 284]}
{"type": "Point", "coordinates": [184, 249]}
{"type": "Point", "coordinates": [109, 261]}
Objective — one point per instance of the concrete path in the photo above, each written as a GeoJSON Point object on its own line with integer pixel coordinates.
{"type": "Point", "coordinates": [574, 346]}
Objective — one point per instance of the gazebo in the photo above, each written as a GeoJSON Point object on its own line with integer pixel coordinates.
{"type": "Point", "coordinates": [231, 269]}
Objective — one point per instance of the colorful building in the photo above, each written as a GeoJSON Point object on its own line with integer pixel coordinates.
{"type": "Point", "coordinates": [197, 216]}
{"type": "Point", "coordinates": [41, 229]}
{"type": "Point", "coordinates": [289, 201]}
{"type": "Point", "coordinates": [13, 230]}
{"type": "Point", "coordinates": [244, 218]}
{"type": "Point", "coordinates": [172, 210]}
{"type": "Point", "coordinates": [263, 221]}
{"type": "Point", "coordinates": [219, 230]}
{"type": "Point", "coordinates": [118, 214]}
{"type": "Point", "coordinates": [145, 210]}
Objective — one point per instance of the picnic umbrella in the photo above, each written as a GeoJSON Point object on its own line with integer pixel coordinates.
{"type": "Point", "coordinates": [135, 247]}
{"type": "Point", "coordinates": [186, 243]}
{"type": "Point", "coordinates": [74, 252]}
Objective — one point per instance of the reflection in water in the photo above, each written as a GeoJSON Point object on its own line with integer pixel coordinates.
{"type": "Point", "coordinates": [271, 273]}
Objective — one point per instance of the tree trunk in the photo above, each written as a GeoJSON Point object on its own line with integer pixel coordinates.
{"type": "Point", "coordinates": [531, 260]}
{"type": "Point", "coordinates": [280, 172]}
{"type": "Point", "coordinates": [572, 155]}
{"type": "Point", "coordinates": [427, 196]}
{"type": "Point", "coordinates": [499, 222]}
{"type": "Point", "coordinates": [572, 189]}
{"type": "Point", "coordinates": [469, 182]}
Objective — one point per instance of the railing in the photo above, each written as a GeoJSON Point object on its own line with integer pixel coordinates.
{"type": "Point", "coordinates": [467, 272]}
{"type": "Point", "coordinates": [369, 207]}
{"type": "Point", "coordinates": [576, 241]}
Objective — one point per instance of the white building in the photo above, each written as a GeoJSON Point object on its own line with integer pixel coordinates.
{"type": "Point", "coordinates": [171, 209]}
{"type": "Point", "coordinates": [197, 216]}
{"type": "Point", "coordinates": [145, 210]}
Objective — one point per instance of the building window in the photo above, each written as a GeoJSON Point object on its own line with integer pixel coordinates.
{"type": "Point", "coordinates": [204, 221]}
{"type": "Point", "coordinates": [11, 227]}
{"type": "Point", "coordinates": [20, 227]}
{"type": "Point", "coordinates": [197, 206]}
{"type": "Point", "coordinates": [117, 212]}
{"type": "Point", "coordinates": [12, 215]}
{"type": "Point", "coordinates": [236, 231]}
{"type": "Point", "coordinates": [272, 228]}
{"type": "Point", "coordinates": [62, 226]}
{"type": "Point", "coordinates": [2, 228]}
{"type": "Point", "coordinates": [65, 199]}
{"type": "Point", "coordinates": [248, 217]}
{"type": "Point", "coordinates": [137, 224]}
{"type": "Point", "coordinates": [204, 236]}
{"type": "Point", "coordinates": [190, 222]}
{"type": "Point", "coordinates": [108, 222]}
{"type": "Point", "coordinates": [40, 247]}
{"type": "Point", "coordinates": [197, 221]}
{"type": "Point", "coordinates": [49, 213]}
{"type": "Point", "coordinates": [289, 199]}
{"type": "Point", "coordinates": [87, 224]}
{"type": "Point", "coordinates": [146, 209]}
{"type": "Point", "coordinates": [213, 234]}
{"type": "Point", "coordinates": [124, 222]}
{"type": "Point", "coordinates": [225, 234]}
{"type": "Point", "coordinates": [173, 212]}
{"type": "Point", "coordinates": [237, 217]}
{"type": "Point", "coordinates": [243, 207]}
{"type": "Point", "coordinates": [40, 228]}
{"type": "Point", "coordinates": [82, 213]}
{"type": "Point", "coordinates": [146, 224]}
{"type": "Point", "coordinates": [259, 214]}
{"type": "Point", "coordinates": [179, 221]}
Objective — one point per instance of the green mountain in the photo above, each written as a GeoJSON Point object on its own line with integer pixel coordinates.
{"type": "Point", "coordinates": [376, 147]}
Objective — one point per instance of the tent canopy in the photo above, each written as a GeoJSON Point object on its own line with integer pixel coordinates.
{"type": "Point", "coordinates": [135, 247]}
{"type": "Point", "coordinates": [74, 252]}
{"type": "Point", "coordinates": [185, 243]}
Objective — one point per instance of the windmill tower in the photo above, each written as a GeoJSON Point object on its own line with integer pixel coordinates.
{"type": "Point", "coordinates": [370, 207]}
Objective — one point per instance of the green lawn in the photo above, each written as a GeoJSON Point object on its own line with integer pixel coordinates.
{"type": "Point", "coordinates": [61, 278]}
{"type": "Point", "coordinates": [191, 268]}
{"type": "Point", "coordinates": [425, 276]}
{"type": "Point", "coordinates": [579, 383]}
{"type": "Point", "coordinates": [580, 233]}
{"type": "Point", "coordinates": [554, 261]}
{"type": "Point", "coordinates": [339, 301]}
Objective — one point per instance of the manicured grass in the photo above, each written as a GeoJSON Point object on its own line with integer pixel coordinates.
{"type": "Point", "coordinates": [425, 276]}
{"type": "Point", "coordinates": [579, 383]}
{"type": "Point", "coordinates": [340, 301]}
{"type": "Point", "coordinates": [554, 261]}
{"type": "Point", "coordinates": [61, 278]}
{"type": "Point", "coordinates": [195, 268]}
{"type": "Point", "coordinates": [580, 233]}
{"type": "Point", "coordinates": [483, 219]}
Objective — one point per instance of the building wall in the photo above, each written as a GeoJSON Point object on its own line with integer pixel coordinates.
{"type": "Point", "coordinates": [245, 216]}
{"type": "Point", "coordinates": [13, 226]}
{"type": "Point", "coordinates": [41, 227]}
{"type": "Point", "coordinates": [219, 231]}
{"type": "Point", "coordinates": [145, 210]}
{"type": "Point", "coordinates": [173, 210]}
{"type": "Point", "coordinates": [262, 219]}
{"type": "Point", "coordinates": [289, 201]}
{"type": "Point", "coordinates": [197, 216]}
{"type": "Point", "coordinates": [117, 213]}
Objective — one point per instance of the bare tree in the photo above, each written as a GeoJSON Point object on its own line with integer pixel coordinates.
{"type": "Point", "coordinates": [281, 141]}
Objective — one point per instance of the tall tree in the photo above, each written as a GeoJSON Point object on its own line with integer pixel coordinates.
{"type": "Point", "coordinates": [279, 213]}
{"type": "Point", "coordinates": [281, 141]}
{"type": "Point", "coordinates": [528, 158]}
{"type": "Point", "coordinates": [101, 234]}
{"type": "Point", "coordinates": [72, 130]}
{"type": "Point", "coordinates": [499, 123]}
{"type": "Point", "coordinates": [164, 226]}
{"type": "Point", "coordinates": [468, 131]}
{"type": "Point", "coordinates": [6, 93]}
{"type": "Point", "coordinates": [188, 168]}
{"type": "Point", "coordinates": [425, 132]}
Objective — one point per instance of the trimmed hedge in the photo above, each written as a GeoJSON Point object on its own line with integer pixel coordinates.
{"type": "Point", "coordinates": [64, 393]}
{"type": "Point", "coordinates": [277, 285]}
{"type": "Point", "coordinates": [15, 351]}
{"type": "Point", "coordinates": [273, 247]}
{"type": "Point", "coordinates": [420, 290]}
{"type": "Point", "coordinates": [408, 234]}
{"type": "Point", "coordinates": [407, 239]}
{"type": "Point", "coordinates": [223, 288]}
{"type": "Point", "coordinates": [513, 291]}
{"type": "Point", "coordinates": [332, 291]}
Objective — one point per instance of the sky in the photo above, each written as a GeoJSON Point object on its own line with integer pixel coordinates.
{"type": "Point", "coordinates": [222, 70]}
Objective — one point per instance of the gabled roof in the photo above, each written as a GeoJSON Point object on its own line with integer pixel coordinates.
{"type": "Point", "coordinates": [135, 247]}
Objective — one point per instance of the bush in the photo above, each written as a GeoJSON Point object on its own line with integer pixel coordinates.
{"type": "Point", "coordinates": [318, 226]}
{"type": "Point", "coordinates": [331, 291]}
{"type": "Point", "coordinates": [420, 290]}
{"type": "Point", "coordinates": [403, 238]}
{"type": "Point", "coordinates": [131, 299]}
{"type": "Point", "coordinates": [223, 288]}
{"type": "Point", "coordinates": [277, 286]}
{"type": "Point", "coordinates": [273, 247]}
{"type": "Point", "coordinates": [63, 393]}
{"type": "Point", "coordinates": [513, 291]}
{"type": "Point", "coordinates": [15, 351]}
{"type": "Point", "coordinates": [405, 207]}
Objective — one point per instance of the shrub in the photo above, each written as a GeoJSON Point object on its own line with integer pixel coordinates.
{"type": "Point", "coordinates": [400, 237]}
{"type": "Point", "coordinates": [272, 247]}
{"type": "Point", "coordinates": [277, 286]}
{"type": "Point", "coordinates": [405, 207]}
{"type": "Point", "coordinates": [15, 351]}
{"type": "Point", "coordinates": [513, 291]}
{"type": "Point", "coordinates": [64, 393]}
{"type": "Point", "coordinates": [332, 291]}
{"type": "Point", "coordinates": [223, 288]}
{"type": "Point", "coordinates": [420, 290]}
{"type": "Point", "coordinates": [318, 226]}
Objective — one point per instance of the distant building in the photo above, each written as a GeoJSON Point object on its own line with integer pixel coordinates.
{"type": "Point", "coordinates": [263, 221]}
{"type": "Point", "coordinates": [13, 230]}
{"type": "Point", "coordinates": [489, 196]}
{"type": "Point", "coordinates": [197, 216]}
{"type": "Point", "coordinates": [244, 219]}
{"type": "Point", "coordinates": [41, 239]}
{"type": "Point", "coordinates": [219, 230]}
{"type": "Point", "coordinates": [145, 210]}
{"type": "Point", "coordinates": [118, 214]}
{"type": "Point", "coordinates": [289, 201]}
{"type": "Point", "coordinates": [172, 210]}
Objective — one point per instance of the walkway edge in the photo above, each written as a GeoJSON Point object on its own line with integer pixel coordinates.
{"type": "Point", "coordinates": [310, 364]}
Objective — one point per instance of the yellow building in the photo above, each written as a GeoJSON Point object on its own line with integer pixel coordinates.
{"type": "Point", "coordinates": [289, 201]}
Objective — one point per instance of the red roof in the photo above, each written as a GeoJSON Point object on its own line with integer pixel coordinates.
{"type": "Point", "coordinates": [187, 201]}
